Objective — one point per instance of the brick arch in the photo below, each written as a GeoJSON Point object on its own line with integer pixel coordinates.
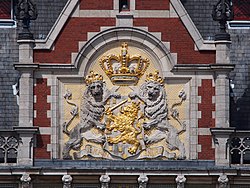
{"type": "Point", "coordinates": [105, 40]}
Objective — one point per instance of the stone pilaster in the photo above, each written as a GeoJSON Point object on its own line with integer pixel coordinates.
{"type": "Point", "coordinates": [26, 144]}
{"type": "Point", "coordinates": [143, 181]}
{"type": "Point", "coordinates": [26, 98]}
{"type": "Point", "coordinates": [67, 180]}
{"type": "Point", "coordinates": [180, 181]}
{"type": "Point", "coordinates": [222, 84]}
{"type": "Point", "coordinates": [223, 181]}
{"type": "Point", "coordinates": [105, 180]}
{"type": "Point", "coordinates": [25, 181]}
{"type": "Point", "coordinates": [25, 129]}
{"type": "Point", "coordinates": [221, 137]}
{"type": "Point", "coordinates": [222, 99]}
{"type": "Point", "coordinates": [222, 52]}
{"type": "Point", "coordinates": [26, 51]}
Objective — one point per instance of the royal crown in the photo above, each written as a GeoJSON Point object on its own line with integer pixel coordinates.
{"type": "Point", "coordinates": [154, 77]}
{"type": "Point", "coordinates": [124, 69]}
{"type": "Point", "coordinates": [93, 77]}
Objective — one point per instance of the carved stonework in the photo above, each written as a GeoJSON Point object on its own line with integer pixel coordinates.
{"type": "Point", "coordinates": [105, 179]}
{"type": "Point", "coordinates": [67, 180]}
{"type": "Point", "coordinates": [143, 181]}
{"type": "Point", "coordinates": [223, 181]}
{"type": "Point", "coordinates": [135, 125]}
{"type": "Point", "coordinates": [180, 181]}
{"type": "Point", "coordinates": [25, 180]}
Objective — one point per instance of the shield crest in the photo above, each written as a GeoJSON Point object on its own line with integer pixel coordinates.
{"type": "Point", "coordinates": [124, 131]}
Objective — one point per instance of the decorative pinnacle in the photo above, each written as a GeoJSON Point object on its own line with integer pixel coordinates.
{"type": "Point", "coordinates": [154, 77]}
{"type": "Point", "coordinates": [93, 77]}
{"type": "Point", "coordinates": [25, 11]}
{"type": "Point", "coordinates": [223, 12]}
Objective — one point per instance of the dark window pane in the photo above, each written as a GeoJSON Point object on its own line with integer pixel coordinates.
{"type": "Point", "coordinates": [241, 9]}
{"type": "Point", "coordinates": [11, 155]}
{"type": "Point", "coordinates": [235, 156]}
{"type": "Point", "coordinates": [246, 157]}
{"type": "Point", "coordinates": [5, 9]}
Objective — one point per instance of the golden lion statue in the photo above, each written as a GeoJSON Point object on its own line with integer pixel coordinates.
{"type": "Point", "coordinates": [124, 123]}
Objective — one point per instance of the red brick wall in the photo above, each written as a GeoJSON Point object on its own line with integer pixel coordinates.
{"type": "Point", "coordinates": [96, 4]}
{"type": "Point", "coordinates": [41, 90]}
{"type": "Point", "coordinates": [207, 152]}
{"type": "Point", "coordinates": [174, 31]}
{"type": "Point", "coordinates": [206, 107]}
{"type": "Point", "coordinates": [40, 151]}
{"type": "Point", "coordinates": [152, 4]}
{"type": "Point", "coordinates": [5, 9]}
{"type": "Point", "coordinates": [74, 31]}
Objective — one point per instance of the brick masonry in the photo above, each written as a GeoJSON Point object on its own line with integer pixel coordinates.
{"type": "Point", "coordinates": [152, 5]}
{"type": "Point", "coordinates": [207, 152]}
{"type": "Point", "coordinates": [75, 30]}
{"type": "Point", "coordinates": [41, 106]}
{"type": "Point", "coordinates": [40, 151]}
{"type": "Point", "coordinates": [173, 31]}
{"type": "Point", "coordinates": [41, 91]}
{"type": "Point", "coordinates": [96, 5]}
{"type": "Point", "coordinates": [206, 91]}
{"type": "Point", "coordinates": [206, 107]}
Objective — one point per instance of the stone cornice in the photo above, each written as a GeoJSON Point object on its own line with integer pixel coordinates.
{"type": "Point", "coordinates": [203, 67]}
{"type": "Point", "coordinates": [44, 66]}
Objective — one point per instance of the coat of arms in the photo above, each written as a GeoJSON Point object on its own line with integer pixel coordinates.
{"type": "Point", "coordinates": [135, 126]}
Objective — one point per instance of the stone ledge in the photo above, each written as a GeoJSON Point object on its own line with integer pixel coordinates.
{"type": "Point", "coordinates": [203, 67]}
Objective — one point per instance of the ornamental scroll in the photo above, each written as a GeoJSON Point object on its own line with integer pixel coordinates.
{"type": "Point", "coordinates": [126, 127]}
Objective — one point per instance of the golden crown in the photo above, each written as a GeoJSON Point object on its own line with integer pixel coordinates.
{"type": "Point", "coordinates": [93, 77]}
{"type": "Point", "coordinates": [124, 69]}
{"type": "Point", "coordinates": [154, 77]}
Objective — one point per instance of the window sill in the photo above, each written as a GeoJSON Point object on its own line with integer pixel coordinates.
{"type": "Point", "coordinates": [239, 24]}
{"type": "Point", "coordinates": [7, 23]}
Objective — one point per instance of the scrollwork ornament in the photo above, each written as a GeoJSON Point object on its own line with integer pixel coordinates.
{"type": "Point", "coordinates": [105, 179]}
{"type": "Point", "coordinates": [25, 180]}
{"type": "Point", "coordinates": [180, 181]}
{"type": "Point", "coordinates": [223, 181]}
{"type": "Point", "coordinates": [143, 181]}
{"type": "Point", "coordinates": [67, 180]}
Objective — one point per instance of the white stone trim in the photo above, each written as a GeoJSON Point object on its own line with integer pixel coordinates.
{"type": "Point", "coordinates": [151, 42]}
{"type": "Point", "coordinates": [176, 9]}
{"type": "Point", "coordinates": [204, 131]}
{"type": "Point", "coordinates": [49, 147]}
{"type": "Point", "coordinates": [199, 148]}
{"type": "Point", "coordinates": [45, 130]}
{"type": "Point", "coordinates": [57, 27]}
{"type": "Point", "coordinates": [193, 132]}
{"type": "Point", "coordinates": [190, 26]}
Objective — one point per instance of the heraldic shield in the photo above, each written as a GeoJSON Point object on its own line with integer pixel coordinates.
{"type": "Point", "coordinates": [117, 125]}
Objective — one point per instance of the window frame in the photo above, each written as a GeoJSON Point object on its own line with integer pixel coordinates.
{"type": "Point", "coordinates": [9, 23]}
{"type": "Point", "coordinates": [239, 23]}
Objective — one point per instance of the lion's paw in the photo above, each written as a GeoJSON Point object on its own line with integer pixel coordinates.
{"type": "Point", "coordinates": [132, 150]}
